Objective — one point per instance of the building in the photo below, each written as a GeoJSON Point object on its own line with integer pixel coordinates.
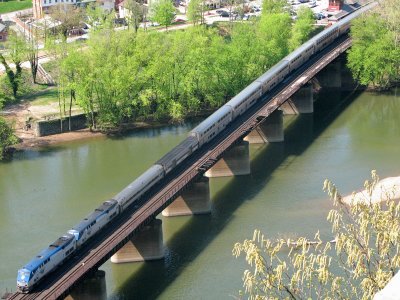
{"type": "Point", "coordinates": [40, 7]}
{"type": "Point", "coordinates": [335, 5]}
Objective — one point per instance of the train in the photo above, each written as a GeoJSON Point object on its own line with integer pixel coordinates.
{"type": "Point", "coordinates": [59, 251]}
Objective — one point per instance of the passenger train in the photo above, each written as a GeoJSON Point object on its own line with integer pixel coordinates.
{"type": "Point", "coordinates": [55, 254]}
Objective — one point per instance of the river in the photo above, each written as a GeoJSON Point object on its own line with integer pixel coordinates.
{"type": "Point", "coordinates": [44, 192]}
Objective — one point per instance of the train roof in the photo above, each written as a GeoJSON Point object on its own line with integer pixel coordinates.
{"type": "Point", "coordinates": [183, 146]}
{"type": "Point", "coordinates": [345, 20]}
{"type": "Point", "coordinates": [211, 120]}
{"type": "Point", "coordinates": [94, 215]}
{"type": "Point", "coordinates": [49, 251]}
{"type": "Point", "coordinates": [251, 88]}
{"type": "Point", "coordinates": [273, 70]}
{"type": "Point", "coordinates": [148, 175]}
{"type": "Point", "coordinates": [299, 50]}
{"type": "Point", "coordinates": [357, 12]}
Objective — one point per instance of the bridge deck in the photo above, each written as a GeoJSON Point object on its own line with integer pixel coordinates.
{"type": "Point", "coordinates": [112, 238]}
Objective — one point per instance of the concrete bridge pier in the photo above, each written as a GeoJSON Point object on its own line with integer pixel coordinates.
{"type": "Point", "coordinates": [302, 102]}
{"type": "Point", "coordinates": [192, 201]}
{"type": "Point", "coordinates": [146, 244]}
{"type": "Point", "coordinates": [270, 131]}
{"type": "Point", "coordinates": [331, 75]}
{"type": "Point", "coordinates": [91, 288]}
{"type": "Point", "coordinates": [236, 161]}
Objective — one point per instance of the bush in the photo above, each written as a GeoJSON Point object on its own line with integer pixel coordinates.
{"type": "Point", "coordinates": [7, 138]}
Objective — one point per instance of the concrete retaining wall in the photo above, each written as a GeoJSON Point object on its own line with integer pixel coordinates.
{"type": "Point", "coordinates": [49, 127]}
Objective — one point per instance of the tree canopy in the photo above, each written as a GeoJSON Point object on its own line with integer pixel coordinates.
{"type": "Point", "coordinates": [375, 54]}
{"type": "Point", "coordinates": [163, 12]}
{"type": "Point", "coordinates": [124, 77]}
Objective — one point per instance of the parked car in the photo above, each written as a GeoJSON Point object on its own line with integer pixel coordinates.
{"type": "Point", "coordinates": [224, 14]}
{"type": "Point", "coordinates": [120, 21]}
{"type": "Point", "coordinates": [319, 16]}
{"type": "Point", "coordinates": [312, 4]}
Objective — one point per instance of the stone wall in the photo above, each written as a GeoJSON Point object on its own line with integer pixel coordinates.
{"type": "Point", "coordinates": [49, 127]}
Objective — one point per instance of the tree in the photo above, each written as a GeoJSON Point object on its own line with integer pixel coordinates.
{"type": "Point", "coordinates": [195, 11]}
{"type": "Point", "coordinates": [375, 54]}
{"type": "Point", "coordinates": [273, 6]}
{"type": "Point", "coordinates": [362, 258]}
{"type": "Point", "coordinates": [7, 137]}
{"type": "Point", "coordinates": [32, 52]}
{"type": "Point", "coordinates": [136, 13]}
{"type": "Point", "coordinates": [302, 27]}
{"type": "Point", "coordinates": [16, 47]}
{"type": "Point", "coordinates": [163, 12]}
{"type": "Point", "coordinates": [95, 15]}
{"type": "Point", "coordinates": [68, 15]}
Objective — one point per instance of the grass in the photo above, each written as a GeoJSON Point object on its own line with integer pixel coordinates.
{"type": "Point", "coordinates": [45, 97]}
{"type": "Point", "coordinates": [51, 68]}
{"type": "Point", "coordinates": [10, 6]}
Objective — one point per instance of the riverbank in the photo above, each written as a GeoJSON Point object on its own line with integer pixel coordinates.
{"type": "Point", "coordinates": [385, 189]}
{"type": "Point", "coordinates": [28, 140]}
{"type": "Point", "coordinates": [17, 115]}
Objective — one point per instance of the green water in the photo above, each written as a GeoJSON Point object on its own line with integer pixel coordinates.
{"type": "Point", "coordinates": [44, 193]}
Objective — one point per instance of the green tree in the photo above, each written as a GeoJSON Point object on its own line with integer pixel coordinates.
{"type": "Point", "coordinates": [359, 262]}
{"type": "Point", "coordinates": [32, 53]}
{"type": "Point", "coordinates": [163, 12]}
{"type": "Point", "coordinates": [375, 54]}
{"type": "Point", "coordinates": [302, 27]}
{"type": "Point", "coordinates": [96, 16]}
{"type": "Point", "coordinates": [16, 49]}
{"type": "Point", "coordinates": [7, 137]}
{"type": "Point", "coordinates": [195, 11]}
{"type": "Point", "coordinates": [273, 6]}
{"type": "Point", "coordinates": [136, 13]}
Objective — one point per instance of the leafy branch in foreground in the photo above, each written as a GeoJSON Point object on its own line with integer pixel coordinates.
{"type": "Point", "coordinates": [358, 263]}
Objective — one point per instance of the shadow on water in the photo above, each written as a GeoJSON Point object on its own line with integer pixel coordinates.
{"type": "Point", "coordinates": [144, 133]}
{"type": "Point", "coordinates": [183, 248]}
{"type": "Point", "coordinates": [34, 153]}
{"type": "Point", "coordinates": [155, 131]}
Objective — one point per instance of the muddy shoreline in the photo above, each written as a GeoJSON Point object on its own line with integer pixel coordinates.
{"type": "Point", "coordinates": [29, 141]}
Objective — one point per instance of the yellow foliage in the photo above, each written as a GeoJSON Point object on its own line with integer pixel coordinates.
{"type": "Point", "coordinates": [366, 256]}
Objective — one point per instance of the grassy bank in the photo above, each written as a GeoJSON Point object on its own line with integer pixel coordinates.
{"type": "Point", "coordinates": [10, 6]}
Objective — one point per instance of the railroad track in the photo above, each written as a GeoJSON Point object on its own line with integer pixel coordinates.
{"type": "Point", "coordinates": [102, 247]}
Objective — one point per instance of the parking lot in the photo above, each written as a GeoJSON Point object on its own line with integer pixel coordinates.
{"type": "Point", "coordinates": [253, 8]}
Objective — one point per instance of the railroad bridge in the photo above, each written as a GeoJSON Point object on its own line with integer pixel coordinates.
{"type": "Point", "coordinates": [136, 234]}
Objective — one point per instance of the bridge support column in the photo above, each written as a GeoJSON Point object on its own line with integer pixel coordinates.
{"type": "Point", "coordinates": [270, 131]}
{"type": "Point", "coordinates": [236, 161]}
{"type": "Point", "coordinates": [302, 102]}
{"type": "Point", "coordinates": [331, 75]}
{"type": "Point", "coordinates": [91, 288]}
{"type": "Point", "coordinates": [147, 244]}
{"type": "Point", "coordinates": [194, 200]}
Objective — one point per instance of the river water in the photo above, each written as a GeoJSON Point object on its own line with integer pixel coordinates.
{"type": "Point", "coordinates": [45, 192]}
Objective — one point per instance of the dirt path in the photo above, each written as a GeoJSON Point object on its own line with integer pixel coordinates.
{"type": "Point", "coordinates": [18, 114]}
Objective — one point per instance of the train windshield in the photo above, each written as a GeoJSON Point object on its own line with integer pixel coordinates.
{"type": "Point", "coordinates": [23, 275]}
